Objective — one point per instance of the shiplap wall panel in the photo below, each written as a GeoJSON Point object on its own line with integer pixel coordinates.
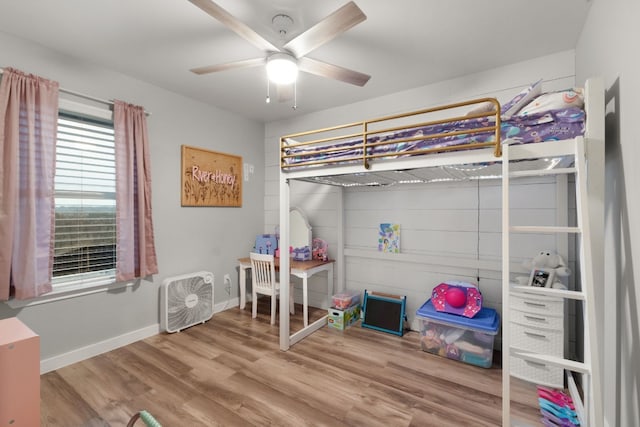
{"type": "Point", "coordinates": [524, 194]}
{"type": "Point", "coordinates": [491, 219]}
{"type": "Point", "coordinates": [458, 220]}
{"type": "Point", "coordinates": [429, 218]}
{"type": "Point", "coordinates": [432, 219]}
{"type": "Point", "coordinates": [431, 196]}
{"type": "Point", "coordinates": [418, 241]}
{"type": "Point", "coordinates": [523, 245]}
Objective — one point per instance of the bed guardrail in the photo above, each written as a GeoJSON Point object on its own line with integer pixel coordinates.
{"type": "Point", "coordinates": [334, 146]}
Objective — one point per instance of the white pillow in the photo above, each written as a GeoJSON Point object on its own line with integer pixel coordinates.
{"type": "Point", "coordinates": [483, 107]}
{"type": "Point", "coordinates": [554, 101]}
{"type": "Point", "coordinates": [521, 99]}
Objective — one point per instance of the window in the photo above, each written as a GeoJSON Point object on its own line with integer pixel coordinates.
{"type": "Point", "coordinates": [85, 215]}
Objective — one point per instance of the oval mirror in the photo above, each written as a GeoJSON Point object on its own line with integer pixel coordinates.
{"type": "Point", "coordinates": [299, 229]}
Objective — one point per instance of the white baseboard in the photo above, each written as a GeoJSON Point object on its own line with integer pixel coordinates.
{"type": "Point", "coordinates": [230, 303]}
{"type": "Point", "coordinates": [80, 354]}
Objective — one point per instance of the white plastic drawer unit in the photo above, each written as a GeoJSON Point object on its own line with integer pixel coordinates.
{"type": "Point", "coordinates": [537, 340]}
{"type": "Point", "coordinates": [536, 320]}
{"type": "Point", "coordinates": [540, 304]}
{"type": "Point", "coordinates": [537, 325]}
{"type": "Point", "coordinates": [539, 373]}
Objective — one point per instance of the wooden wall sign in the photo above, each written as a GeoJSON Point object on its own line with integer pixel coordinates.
{"type": "Point", "coordinates": [210, 178]}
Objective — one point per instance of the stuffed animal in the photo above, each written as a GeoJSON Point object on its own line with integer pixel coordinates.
{"type": "Point", "coordinates": [319, 249]}
{"type": "Point", "coordinates": [549, 260]}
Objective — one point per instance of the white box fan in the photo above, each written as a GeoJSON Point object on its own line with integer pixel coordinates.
{"type": "Point", "coordinates": [186, 300]}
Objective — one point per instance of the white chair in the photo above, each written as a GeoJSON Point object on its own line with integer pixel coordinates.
{"type": "Point", "coordinates": [263, 281]}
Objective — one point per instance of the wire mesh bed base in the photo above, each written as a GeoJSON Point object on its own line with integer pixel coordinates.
{"type": "Point", "coordinates": [444, 173]}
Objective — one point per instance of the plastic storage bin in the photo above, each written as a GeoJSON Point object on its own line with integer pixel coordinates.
{"type": "Point", "coordinates": [345, 299]}
{"type": "Point", "coordinates": [469, 340]}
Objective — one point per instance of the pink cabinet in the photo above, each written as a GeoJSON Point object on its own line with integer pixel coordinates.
{"type": "Point", "coordinates": [19, 374]}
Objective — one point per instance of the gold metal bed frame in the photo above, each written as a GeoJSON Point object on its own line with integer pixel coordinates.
{"type": "Point", "coordinates": [320, 145]}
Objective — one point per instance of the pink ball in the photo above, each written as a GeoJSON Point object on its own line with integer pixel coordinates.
{"type": "Point", "coordinates": [455, 297]}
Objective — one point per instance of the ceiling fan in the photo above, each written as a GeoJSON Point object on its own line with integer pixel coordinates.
{"type": "Point", "coordinates": [291, 57]}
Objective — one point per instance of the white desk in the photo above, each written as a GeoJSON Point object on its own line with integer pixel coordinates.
{"type": "Point", "coordinates": [301, 269]}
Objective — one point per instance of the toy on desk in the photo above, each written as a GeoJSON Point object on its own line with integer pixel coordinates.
{"type": "Point", "coordinates": [460, 298]}
{"type": "Point", "coordinates": [546, 260]}
{"type": "Point", "coordinates": [266, 244]}
{"type": "Point", "coordinates": [302, 254]}
{"type": "Point", "coordinates": [320, 249]}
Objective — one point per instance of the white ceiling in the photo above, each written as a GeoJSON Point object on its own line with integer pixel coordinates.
{"type": "Point", "coordinates": [402, 44]}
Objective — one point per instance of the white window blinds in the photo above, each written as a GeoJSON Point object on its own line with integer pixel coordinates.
{"type": "Point", "coordinates": [85, 231]}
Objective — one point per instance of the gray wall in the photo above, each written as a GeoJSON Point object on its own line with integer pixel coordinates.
{"type": "Point", "coordinates": [608, 47]}
{"type": "Point", "coordinates": [187, 239]}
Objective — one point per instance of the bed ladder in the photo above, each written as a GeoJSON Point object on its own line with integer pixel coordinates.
{"type": "Point", "coordinates": [590, 412]}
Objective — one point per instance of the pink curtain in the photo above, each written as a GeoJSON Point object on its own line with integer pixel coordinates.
{"type": "Point", "coordinates": [136, 253]}
{"type": "Point", "coordinates": [28, 128]}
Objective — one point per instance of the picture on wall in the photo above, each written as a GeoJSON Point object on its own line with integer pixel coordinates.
{"type": "Point", "coordinates": [210, 178]}
{"type": "Point", "coordinates": [389, 238]}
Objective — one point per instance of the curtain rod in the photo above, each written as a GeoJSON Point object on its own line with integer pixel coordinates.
{"type": "Point", "coordinates": [82, 95]}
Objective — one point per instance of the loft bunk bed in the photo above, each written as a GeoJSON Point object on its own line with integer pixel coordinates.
{"type": "Point", "coordinates": [458, 141]}
{"type": "Point", "coordinates": [468, 133]}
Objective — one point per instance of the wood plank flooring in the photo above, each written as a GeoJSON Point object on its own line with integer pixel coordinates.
{"type": "Point", "coordinates": [231, 372]}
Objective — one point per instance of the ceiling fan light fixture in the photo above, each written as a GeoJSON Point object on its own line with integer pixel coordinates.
{"type": "Point", "coordinates": [282, 68]}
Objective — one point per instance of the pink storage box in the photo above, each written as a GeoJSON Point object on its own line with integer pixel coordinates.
{"type": "Point", "coordinates": [345, 299]}
{"type": "Point", "coordinates": [19, 374]}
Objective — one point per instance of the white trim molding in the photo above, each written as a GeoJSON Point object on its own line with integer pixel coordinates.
{"type": "Point", "coordinates": [83, 353]}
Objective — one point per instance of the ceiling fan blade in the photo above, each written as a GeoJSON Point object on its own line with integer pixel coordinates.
{"type": "Point", "coordinates": [235, 25]}
{"type": "Point", "coordinates": [324, 69]}
{"type": "Point", "coordinates": [327, 29]}
{"type": "Point", "coordinates": [246, 63]}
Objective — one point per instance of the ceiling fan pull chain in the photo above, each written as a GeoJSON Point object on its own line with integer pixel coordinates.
{"type": "Point", "coordinates": [268, 100]}
{"type": "Point", "coordinates": [295, 95]}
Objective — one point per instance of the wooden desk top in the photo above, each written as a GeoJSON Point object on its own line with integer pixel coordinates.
{"type": "Point", "coordinates": [293, 264]}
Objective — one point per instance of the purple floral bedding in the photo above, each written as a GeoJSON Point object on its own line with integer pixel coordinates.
{"type": "Point", "coordinates": [559, 124]}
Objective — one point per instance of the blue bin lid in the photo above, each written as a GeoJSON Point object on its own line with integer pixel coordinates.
{"type": "Point", "coordinates": [486, 320]}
